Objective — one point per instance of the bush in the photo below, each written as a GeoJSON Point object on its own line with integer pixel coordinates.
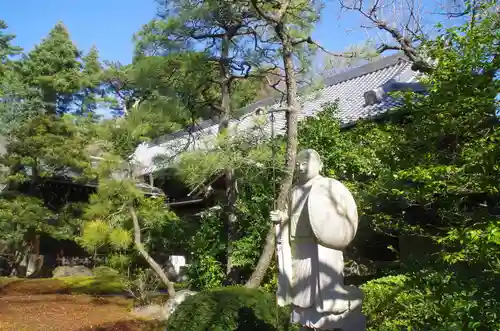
{"type": "Point", "coordinates": [104, 271]}
{"type": "Point", "coordinates": [95, 285]}
{"type": "Point", "coordinates": [228, 309]}
{"type": "Point", "coordinates": [432, 300]}
{"type": "Point", "coordinates": [382, 303]}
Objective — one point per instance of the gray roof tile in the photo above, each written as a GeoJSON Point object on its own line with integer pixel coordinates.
{"type": "Point", "coordinates": [348, 88]}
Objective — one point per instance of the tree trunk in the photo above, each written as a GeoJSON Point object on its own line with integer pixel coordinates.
{"type": "Point", "coordinates": [229, 175]}
{"type": "Point", "coordinates": [291, 153]}
{"type": "Point", "coordinates": [152, 263]}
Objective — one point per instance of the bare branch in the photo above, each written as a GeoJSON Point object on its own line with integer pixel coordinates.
{"type": "Point", "coordinates": [384, 47]}
{"type": "Point", "coordinates": [405, 44]}
{"type": "Point", "coordinates": [310, 41]}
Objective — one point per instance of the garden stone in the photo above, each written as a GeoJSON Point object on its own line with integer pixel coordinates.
{"type": "Point", "coordinates": [68, 271]}
{"type": "Point", "coordinates": [163, 312]}
{"type": "Point", "coordinates": [152, 311]}
{"type": "Point", "coordinates": [172, 303]}
{"type": "Point", "coordinates": [320, 222]}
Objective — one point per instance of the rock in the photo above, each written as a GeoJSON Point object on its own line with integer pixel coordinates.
{"type": "Point", "coordinates": [159, 312]}
{"type": "Point", "coordinates": [152, 311]}
{"type": "Point", "coordinates": [174, 302]}
{"type": "Point", "coordinates": [68, 271]}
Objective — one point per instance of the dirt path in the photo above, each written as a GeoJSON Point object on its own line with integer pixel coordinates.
{"type": "Point", "coordinates": [22, 308]}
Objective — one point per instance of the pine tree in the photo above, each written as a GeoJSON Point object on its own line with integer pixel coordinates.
{"type": "Point", "coordinates": [54, 67]}
{"type": "Point", "coordinates": [6, 48]}
{"type": "Point", "coordinates": [91, 83]}
{"type": "Point", "coordinates": [14, 95]}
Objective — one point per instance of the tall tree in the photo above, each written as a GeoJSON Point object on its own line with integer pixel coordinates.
{"type": "Point", "coordinates": [91, 93]}
{"type": "Point", "coordinates": [6, 48]}
{"type": "Point", "coordinates": [227, 32]}
{"type": "Point", "coordinates": [54, 67]}
{"type": "Point", "coordinates": [12, 91]}
{"type": "Point", "coordinates": [119, 214]}
{"type": "Point", "coordinates": [157, 95]}
{"type": "Point", "coordinates": [290, 23]}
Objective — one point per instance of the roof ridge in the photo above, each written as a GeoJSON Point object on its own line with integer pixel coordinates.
{"type": "Point", "coordinates": [364, 69]}
{"type": "Point", "coordinates": [331, 80]}
{"type": "Point", "coordinates": [337, 78]}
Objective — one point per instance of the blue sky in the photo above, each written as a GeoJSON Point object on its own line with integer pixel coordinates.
{"type": "Point", "coordinates": [110, 24]}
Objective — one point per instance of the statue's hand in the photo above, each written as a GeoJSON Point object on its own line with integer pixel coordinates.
{"type": "Point", "coordinates": [277, 216]}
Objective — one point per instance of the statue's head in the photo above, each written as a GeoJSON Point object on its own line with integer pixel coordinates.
{"type": "Point", "coordinates": [309, 164]}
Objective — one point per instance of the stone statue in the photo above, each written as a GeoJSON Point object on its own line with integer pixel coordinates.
{"type": "Point", "coordinates": [320, 222]}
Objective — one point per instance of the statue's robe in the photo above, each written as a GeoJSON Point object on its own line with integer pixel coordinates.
{"type": "Point", "coordinates": [321, 224]}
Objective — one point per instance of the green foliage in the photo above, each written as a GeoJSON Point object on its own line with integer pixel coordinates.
{"type": "Point", "coordinates": [240, 150]}
{"type": "Point", "coordinates": [104, 271]}
{"type": "Point", "coordinates": [119, 214]}
{"type": "Point", "coordinates": [229, 308]}
{"type": "Point", "coordinates": [226, 42]}
{"type": "Point", "coordinates": [253, 164]}
{"type": "Point", "coordinates": [120, 239]}
{"type": "Point", "coordinates": [141, 284]}
{"type": "Point", "coordinates": [95, 235]}
{"type": "Point", "coordinates": [99, 284]}
{"type": "Point", "coordinates": [92, 75]}
{"type": "Point", "coordinates": [21, 217]}
{"type": "Point", "coordinates": [429, 169]}
{"type": "Point", "coordinates": [479, 244]}
{"type": "Point", "coordinates": [207, 247]}
{"type": "Point", "coordinates": [160, 95]}
{"type": "Point", "coordinates": [6, 48]}
{"type": "Point", "coordinates": [432, 153]}
{"type": "Point", "coordinates": [206, 272]}
{"type": "Point", "coordinates": [19, 103]}
{"type": "Point", "coordinates": [49, 144]}
{"type": "Point", "coordinates": [109, 222]}
{"type": "Point", "coordinates": [255, 201]}
{"type": "Point", "coordinates": [431, 300]}
{"type": "Point", "coordinates": [54, 67]}
{"type": "Point", "coordinates": [119, 261]}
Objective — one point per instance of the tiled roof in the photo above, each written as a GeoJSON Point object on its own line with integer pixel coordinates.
{"type": "Point", "coordinates": [348, 88]}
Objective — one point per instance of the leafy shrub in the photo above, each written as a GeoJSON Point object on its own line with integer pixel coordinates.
{"type": "Point", "coordinates": [109, 284]}
{"type": "Point", "coordinates": [141, 285]}
{"type": "Point", "coordinates": [227, 309]}
{"type": "Point", "coordinates": [444, 300]}
{"type": "Point", "coordinates": [104, 271]}
{"type": "Point", "coordinates": [207, 245]}
{"type": "Point", "coordinates": [119, 261]}
{"type": "Point", "coordinates": [205, 273]}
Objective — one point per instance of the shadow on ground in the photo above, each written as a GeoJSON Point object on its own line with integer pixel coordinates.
{"type": "Point", "coordinates": [130, 325]}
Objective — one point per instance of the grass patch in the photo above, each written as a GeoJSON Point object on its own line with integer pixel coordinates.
{"type": "Point", "coordinates": [6, 280]}
{"type": "Point", "coordinates": [103, 283]}
{"type": "Point", "coordinates": [93, 285]}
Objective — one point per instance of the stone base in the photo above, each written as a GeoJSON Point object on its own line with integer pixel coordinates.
{"type": "Point", "coordinates": [312, 320]}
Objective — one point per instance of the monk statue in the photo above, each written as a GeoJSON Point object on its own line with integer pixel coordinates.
{"type": "Point", "coordinates": [320, 222]}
